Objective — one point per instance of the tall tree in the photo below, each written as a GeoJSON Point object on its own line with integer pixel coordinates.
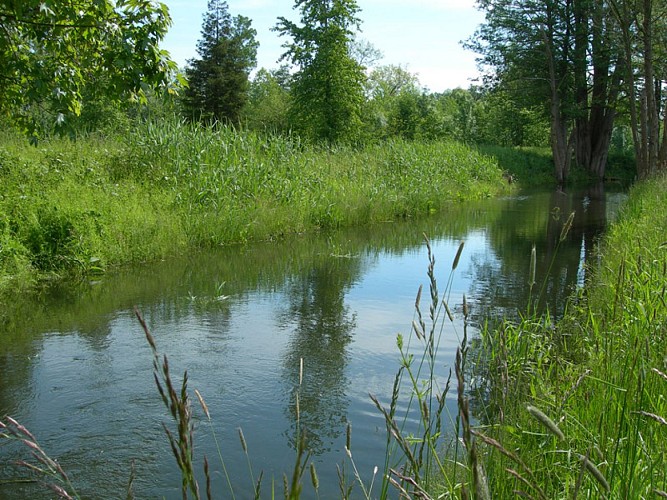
{"type": "Point", "coordinates": [327, 88]}
{"type": "Point", "coordinates": [49, 50]}
{"type": "Point", "coordinates": [219, 79]}
{"type": "Point", "coordinates": [563, 53]}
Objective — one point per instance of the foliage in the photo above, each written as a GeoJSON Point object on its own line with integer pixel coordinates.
{"type": "Point", "coordinates": [49, 52]}
{"type": "Point", "coordinates": [562, 55]}
{"type": "Point", "coordinates": [502, 120]}
{"type": "Point", "coordinates": [642, 38]}
{"type": "Point", "coordinates": [269, 101]}
{"type": "Point", "coordinates": [327, 88]}
{"type": "Point", "coordinates": [218, 81]}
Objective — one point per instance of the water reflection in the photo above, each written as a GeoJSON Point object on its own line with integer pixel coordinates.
{"type": "Point", "coordinates": [321, 327]}
{"type": "Point", "coordinates": [500, 285]}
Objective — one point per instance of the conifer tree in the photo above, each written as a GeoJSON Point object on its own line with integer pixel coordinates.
{"type": "Point", "coordinates": [219, 79]}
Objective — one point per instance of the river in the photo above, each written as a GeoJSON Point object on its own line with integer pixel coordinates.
{"type": "Point", "coordinates": [76, 369]}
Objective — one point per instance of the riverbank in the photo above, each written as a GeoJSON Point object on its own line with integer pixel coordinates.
{"type": "Point", "coordinates": [578, 407]}
{"type": "Point", "coordinates": [82, 207]}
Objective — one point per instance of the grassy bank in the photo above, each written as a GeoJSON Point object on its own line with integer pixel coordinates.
{"type": "Point", "coordinates": [578, 408]}
{"type": "Point", "coordinates": [81, 207]}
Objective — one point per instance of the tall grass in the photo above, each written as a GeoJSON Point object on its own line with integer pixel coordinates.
{"type": "Point", "coordinates": [81, 207]}
{"type": "Point", "coordinates": [584, 399]}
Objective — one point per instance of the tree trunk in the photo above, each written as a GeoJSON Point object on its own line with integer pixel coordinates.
{"type": "Point", "coordinates": [595, 121]}
{"type": "Point", "coordinates": [652, 118]}
{"type": "Point", "coordinates": [561, 143]}
{"type": "Point", "coordinates": [582, 125]}
{"type": "Point", "coordinates": [663, 146]}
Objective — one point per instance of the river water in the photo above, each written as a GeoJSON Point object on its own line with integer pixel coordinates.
{"type": "Point", "coordinates": [75, 367]}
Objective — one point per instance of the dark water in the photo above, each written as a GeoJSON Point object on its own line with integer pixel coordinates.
{"type": "Point", "coordinates": [76, 369]}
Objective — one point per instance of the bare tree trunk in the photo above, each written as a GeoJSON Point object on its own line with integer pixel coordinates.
{"type": "Point", "coordinates": [652, 118]}
{"type": "Point", "coordinates": [596, 104]}
{"type": "Point", "coordinates": [663, 146]}
{"type": "Point", "coordinates": [582, 148]}
{"type": "Point", "coordinates": [644, 116]}
{"type": "Point", "coordinates": [561, 144]}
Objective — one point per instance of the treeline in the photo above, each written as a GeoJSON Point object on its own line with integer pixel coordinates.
{"type": "Point", "coordinates": [583, 77]}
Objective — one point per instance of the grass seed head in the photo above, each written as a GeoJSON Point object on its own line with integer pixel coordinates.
{"type": "Point", "coordinates": [458, 255]}
{"type": "Point", "coordinates": [546, 421]}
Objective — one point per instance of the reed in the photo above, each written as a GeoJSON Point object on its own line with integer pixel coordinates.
{"type": "Point", "coordinates": [178, 404]}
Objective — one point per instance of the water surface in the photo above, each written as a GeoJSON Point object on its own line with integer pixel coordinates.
{"type": "Point", "coordinates": [76, 369]}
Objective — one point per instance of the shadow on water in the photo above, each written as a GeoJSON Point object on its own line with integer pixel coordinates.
{"type": "Point", "coordinates": [75, 368]}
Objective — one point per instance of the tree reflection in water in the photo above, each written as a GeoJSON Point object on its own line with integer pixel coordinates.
{"type": "Point", "coordinates": [501, 287]}
{"type": "Point", "coordinates": [322, 326]}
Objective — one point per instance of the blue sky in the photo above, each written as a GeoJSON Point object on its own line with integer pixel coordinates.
{"type": "Point", "coordinates": [422, 35]}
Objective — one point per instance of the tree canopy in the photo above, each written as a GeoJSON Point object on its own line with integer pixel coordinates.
{"type": "Point", "coordinates": [50, 50]}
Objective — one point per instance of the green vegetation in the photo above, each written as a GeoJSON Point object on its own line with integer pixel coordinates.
{"type": "Point", "coordinates": [83, 206]}
{"type": "Point", "coordinates": [567, 409]}
{"type": "Point", "coordinates": [327, 88]}
{"type": "Point", "coordinates": [578, 64]}
{"type": "Point", "coordinates": [55, 55]}
{"type": "Point", "coordinates": [578, 407]}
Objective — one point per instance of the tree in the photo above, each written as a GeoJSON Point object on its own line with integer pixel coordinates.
{"type": "Point", "coordinates": [563, 54]}
{"type": "Point", "coordinates": [219, 80]}
{"type": "Point", "coordinates": [502, 120]}
{"type": "Point", "coordinates": [364, 52]}
{"type": "Point", "coordinates": [385, 87]}
{"type": "Point", "coordinates": [327, 88]}
{"type": "Point", "coordinates": [49, 50]}
{"type": "Point", "coordinates": [644, 37]}
{"type": "Point", "coordinates": [269, 101]}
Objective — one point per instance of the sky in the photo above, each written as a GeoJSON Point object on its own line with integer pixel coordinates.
{"type": "Point", "coordinates": [423, 36]}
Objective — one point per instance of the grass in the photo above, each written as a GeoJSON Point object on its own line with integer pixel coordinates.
{"type": "Point", "coordinates": [82, 207]}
